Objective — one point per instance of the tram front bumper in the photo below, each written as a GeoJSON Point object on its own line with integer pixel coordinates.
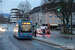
{"type": "Point", "coordinates": [26, 37]}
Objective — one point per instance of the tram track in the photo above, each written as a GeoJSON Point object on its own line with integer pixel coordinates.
{"type": "Point", "coordinates": [12, 43]}
{"type": "Point", "coordinates": [29, 44]}
{"type": "Point", "coordinates": [24, 41]}
{"type": "Point", "coordinates": [39, 45]}
{"type": "Point", "coordinates": [18, 45]}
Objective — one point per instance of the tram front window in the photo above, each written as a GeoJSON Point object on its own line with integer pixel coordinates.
{"type": "Point", "coordinates": [26, 28]}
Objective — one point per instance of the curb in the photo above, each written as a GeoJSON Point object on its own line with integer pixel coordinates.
{"type": "Point", "coordinates": [68, 37]}
{"type": "Point", "coordinates": [65, 36]}
{"type": "Point", "coordinates": [56, 45]}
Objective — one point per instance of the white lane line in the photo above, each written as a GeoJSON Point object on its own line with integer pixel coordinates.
{"type": "Point", "coordinates": [2, 34]}
{"type": "Point", "coordinates": [12, 43]}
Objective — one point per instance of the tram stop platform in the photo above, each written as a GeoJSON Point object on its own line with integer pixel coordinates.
{"type": "Point", "coordinates": [58, 40]}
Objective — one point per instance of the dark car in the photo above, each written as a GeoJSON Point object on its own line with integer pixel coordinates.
{"type": "Point", "coordinates": [48, 31]}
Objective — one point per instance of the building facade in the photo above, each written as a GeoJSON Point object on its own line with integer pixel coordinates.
{"type": "Point", "coordinates": [44, 17]}
{"type": "Point", "coordinates": [14, 15]}
{"type": "Point", "coordinates": [73, 20]}
{"type": "Point", "coordinates": [46, 14]}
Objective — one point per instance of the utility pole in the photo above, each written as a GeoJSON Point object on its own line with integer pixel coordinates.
{"type": "Point", "coordinates": [71, 23]}
{"type": "Point", "coordinates": [40, 18]}
{"type": "Point", "coordinates": [1, 6]}
{"type": "Point", "coordinates": [27, 10]}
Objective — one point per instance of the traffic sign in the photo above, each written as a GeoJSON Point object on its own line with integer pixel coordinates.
{"type": "Point", "coordinates": [67, 25]}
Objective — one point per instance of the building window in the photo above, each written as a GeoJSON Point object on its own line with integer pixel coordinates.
{"type": "Point", "coordinates": [43, 21]}
{"type": "Point", "coordinates": [50, 0]}
{"type": "Point", "coordinates": [73, 0]}
{"type": "Point", "coordinates": [43, 13]}
{"type": "Point", "coordinates": [50, 16]}
{"type": "Point", "coordinates": [73, 20]}
{"type": "Point", "coordinates": [56, 17]}
{"type": "Point", "coordinates": [43, 16]}
{"type": "Point", "coordinates": [57, 20]}
{"type": "Point", "coordinates": [67, 0]}
{"type": "Point", "coordinates": [50, 12]}
{"type": "Point", "coordinates": [10, 19]}
{"type": "Point", "coordinates": [56, 0]}
{"type": "Point", "coordinates": [50, 20]}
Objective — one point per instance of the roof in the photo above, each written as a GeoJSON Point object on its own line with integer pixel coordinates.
{"type": "Point", "coordinates": [48, 7]}
{"type": "Point", "coordinates": [36, 9]}
{"type": "Point", "coordinates": [15, 9]}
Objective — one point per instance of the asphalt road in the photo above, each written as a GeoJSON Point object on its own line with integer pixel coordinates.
{"type": "Point", "coordinates": [9, 42]}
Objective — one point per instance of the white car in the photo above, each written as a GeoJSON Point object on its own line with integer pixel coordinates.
{"type": "Point", "coordinates": [39, 31]}
{"type": "Point", "coordinates": [2, 29]}
{"type": "Point", "coordinates": [43, 27]}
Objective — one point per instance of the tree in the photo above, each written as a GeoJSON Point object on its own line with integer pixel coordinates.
{"type": "Point", "coordinates": [65, 10]}
{"type": "Point", "coordinates": [25, 8]}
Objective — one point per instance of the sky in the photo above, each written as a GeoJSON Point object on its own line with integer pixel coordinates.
{"type": "Point", "coordinates": [7, 5]}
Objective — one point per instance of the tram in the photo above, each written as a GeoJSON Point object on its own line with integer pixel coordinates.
{"type": "Point", "coordinates": [23, 29]}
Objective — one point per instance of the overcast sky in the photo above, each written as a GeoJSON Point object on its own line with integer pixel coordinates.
{"type": "Point", "coordinates": [7, 5]}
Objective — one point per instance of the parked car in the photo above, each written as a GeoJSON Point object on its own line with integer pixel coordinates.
{"type": "Point", "coordinates": [43, 27]}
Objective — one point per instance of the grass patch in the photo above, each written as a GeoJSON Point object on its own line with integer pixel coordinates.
{"type": "Point", "coordinates": [67, 33]}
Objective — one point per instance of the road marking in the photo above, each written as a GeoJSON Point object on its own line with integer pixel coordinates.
{"type": "Point", "coordinates": [2, 34]}
{"type": "Point", "coordinates": [12, 43]}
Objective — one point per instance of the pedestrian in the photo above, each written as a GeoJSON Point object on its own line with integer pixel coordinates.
{"type": "Point", "coordinates": [43, 33]}
{"type": "Point", "coordinates": [35, 33]}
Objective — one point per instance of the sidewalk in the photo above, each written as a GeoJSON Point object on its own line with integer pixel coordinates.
{"type": "Point", "coordinates": [57, 40]}
{"type": "Point", "coordinates": [65, 36]}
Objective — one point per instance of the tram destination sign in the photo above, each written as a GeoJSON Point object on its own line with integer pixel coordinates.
{"type": "Point", "coordinates": [25, 23]}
